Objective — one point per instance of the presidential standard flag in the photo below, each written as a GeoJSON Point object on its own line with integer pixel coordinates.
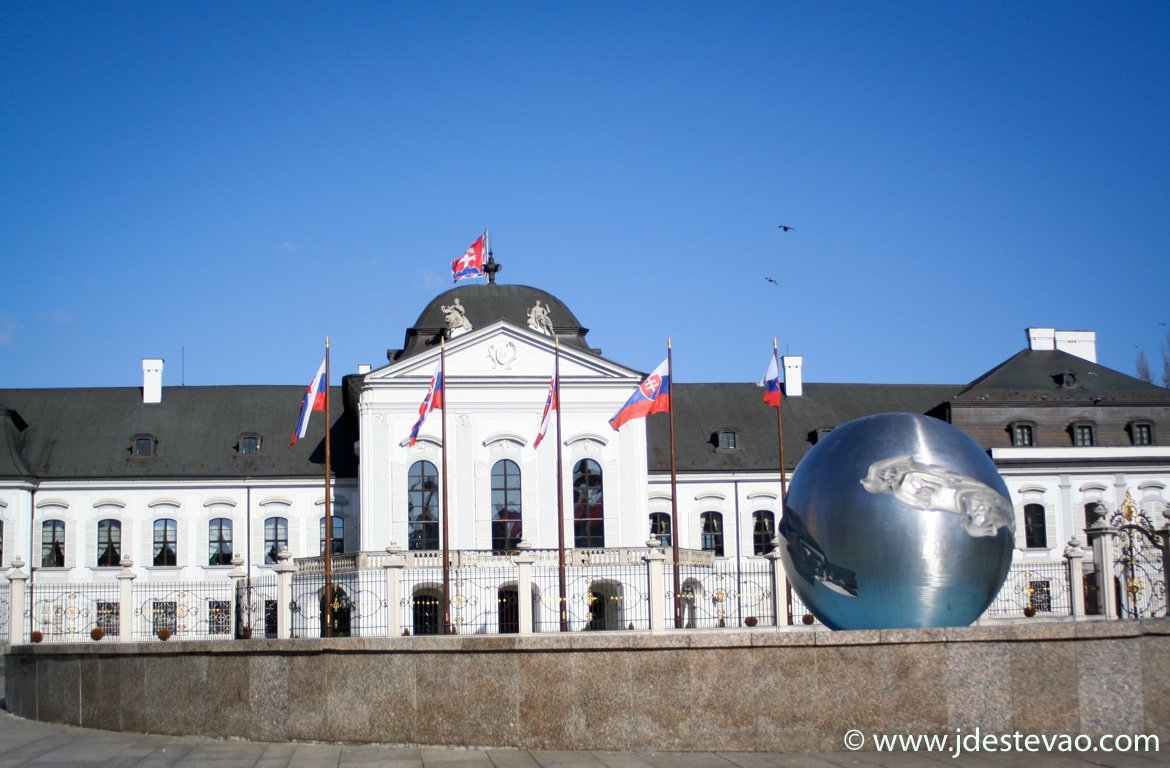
{"type": "Point", "coordinates": [771, 382]}
{"type": "Point", "coordinates": [652, 396]}
{"type": "Point", "coordinates": [314, 400]}
{"type": "Point", "coordinates": [432, 400]}
{"type": "Point", "coordinates": [470, 264]}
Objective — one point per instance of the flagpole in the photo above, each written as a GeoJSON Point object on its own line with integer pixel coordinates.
{"type": "Point", "coordinates": [443, 513]}
{"type": "Point", "coordinates": [564, 605]}
{"type": "Point", "coordinates": [783, 476]}
{"type": "Point", "coordinates": [673, 493]}
{"type": "Point", "coordinates": [328, 510]}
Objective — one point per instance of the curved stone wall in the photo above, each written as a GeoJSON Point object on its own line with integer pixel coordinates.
{"type": "Point", "coordinates": [791, 689]}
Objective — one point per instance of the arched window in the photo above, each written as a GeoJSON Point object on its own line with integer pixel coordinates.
{"type": "Point", "coordinates": [712, 536]}
{"type": "Point", "coordinates": [166, 542]}
{"type": "Point", "coordinates": [109, 543]}
{"type": "Point", "coordinates": [219, 541]}
{"type": "Point", "coordinates": [660, 528]}
{"type": "Point", "coordinates": [53, 544]}
{"type": "Point", "coordinates": [275, 537]}
{"type": "Point", "coordinates": [507, 526]}
{"type": "Point", "coordinates": [423, 506]}
{"type": "Point", "coordinates": [338, 535]}
{"type": "Point", "coordinates": [763, 532]}
{"type": "Point", "coordinates": [588, 505]}
{"type": "Point", "coordinates": [1035, 529]}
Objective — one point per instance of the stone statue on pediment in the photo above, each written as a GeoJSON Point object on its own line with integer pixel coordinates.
{"type": "Point", "coordinates": [456, 317]}
{"type": "Point", "coordinates": [539, 319]}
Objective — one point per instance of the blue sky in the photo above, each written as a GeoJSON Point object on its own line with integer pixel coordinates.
{"type": "Point", "coordinates": [225, 184]}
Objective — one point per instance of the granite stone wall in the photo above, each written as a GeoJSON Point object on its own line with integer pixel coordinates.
{"type": "Point", "coordinates": [788, 689]}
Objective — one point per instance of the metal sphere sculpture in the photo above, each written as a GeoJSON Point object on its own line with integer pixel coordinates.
{"type": "Point", "coordinates": [897, 520]}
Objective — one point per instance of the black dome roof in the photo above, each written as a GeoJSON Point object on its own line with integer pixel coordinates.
{"type": "Point", "coordinates": [484, 304]}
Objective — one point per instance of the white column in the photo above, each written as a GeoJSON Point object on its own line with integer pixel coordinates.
{"type": "Point", "coordinates": [1076, 576]}
{"type": "Point", "coordinates": [394, 566]}
{"type": "Point", "coordinates": [284, 570]}
{"type": "Point", "coordinates": [1101, 536]}
{"type": "Point", "coordinates": [18, 584]}
{"type": "Point", "coordinates": [524, 562]}
{"type": "Point", "coordinates": [779, 584]}
{"type": "Point", "coordinates": [126, 602]}
{"type": "Point", "coordinates": [656, 583]}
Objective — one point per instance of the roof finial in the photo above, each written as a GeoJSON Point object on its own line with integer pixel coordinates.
{"type": "Point", "coordinates": [491, 268]}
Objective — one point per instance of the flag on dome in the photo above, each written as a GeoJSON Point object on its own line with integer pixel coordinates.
{"type": "Point", "coordinates": [550, 405]}
{"type": "Point", "coordinates": [652, 396]}
{"type": "Point", "coordinates": [432, 400]}
{"type": "Point", "coordinates": [314, 400]}
{"type": "Point", "coordinates": [771, 382]}
{"type": "Point", "coordinates": [470, 264]}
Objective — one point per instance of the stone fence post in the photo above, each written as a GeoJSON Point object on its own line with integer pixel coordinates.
{"type": "Point", "coordinates": [779, 585]}
{"type": "Point", "coordinates": [394, 566]}
{"type": "Point", "coordinates": [656, 584]}
{"type": "Point", "coordinates": [237, 575]}
{"type": "Point", "coordinates": [284, 570]}
{"type": "Point", "coordinates": [17, 591]}
{"type": "Point", "coordinates": [1101, 535]}
{"type": "Point", "coordinates": [1076, 577]}
{"type": "Point", "coordinates": [126, 601]}
{"type": "Point", "coordinates": [524, 561]}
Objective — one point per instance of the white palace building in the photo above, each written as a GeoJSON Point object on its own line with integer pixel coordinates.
{"type": "Point", "coordinates": [188, 484]}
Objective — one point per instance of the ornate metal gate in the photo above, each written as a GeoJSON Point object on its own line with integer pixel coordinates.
{"type": "Point", "coordinates": [1139, 563]}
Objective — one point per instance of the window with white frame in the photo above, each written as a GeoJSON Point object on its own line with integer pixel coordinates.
{"type": "Point", "coordinates": [219, 541]}
{"type": "Point", "coordinates": [109, 543]}
{"type": "Point", "coordinates": [711, 535]}
{"type": "Point", "coordinates": [166, 542]}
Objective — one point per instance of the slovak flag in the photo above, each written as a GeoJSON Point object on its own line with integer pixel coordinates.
{"type": "Point", "coordinates": [433, 400]}
{"type": "Point", "coordinates": [771, 383]}
{"type": "Point", "coordinates": [652, 396]}
{"type": "Point", "coordinates": [550, 405]}
{"type": "Point", "coordinates": [314, 400]}
{"type": "Point", "coordinates": [470, 264]}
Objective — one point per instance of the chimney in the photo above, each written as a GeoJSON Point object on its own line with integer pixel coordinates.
{"type": "Point", "coordinates": [363, 369]}
{"type": "Point", "coordinates": [1083, 344]}
{"type": "Point", "coordinates": [1041, 339]}
{"type": "Point", "coordinates": [152, 370]}
{"type": "Point", "coordinates": [793, 385]}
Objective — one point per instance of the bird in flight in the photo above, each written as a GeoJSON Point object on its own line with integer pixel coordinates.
{"type": "Point", "coordinates": [772, 280]}
{"type": "Point", "coordinates": [786, 228]}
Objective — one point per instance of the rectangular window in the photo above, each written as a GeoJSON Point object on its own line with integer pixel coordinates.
{"type": "Point", "coordinates": [219, 617]}
{"type": "Point", "coordinates": [1023, 436]}
{"type": "Point", "coordinates": [1143, 434]}
{"type": "Point", "coordinates": [1035, 528]}
{"type": "Point", "coordinates": [166, 548]}
{"type": "Point", "coordinates": [275, 538]}
{"type": "Point", "coordinates": [109, 544]}
{"type": "Point", "coordinates": [1040, 596]}
{"type": "Point", "coordinates": [164, 615]}
{"type": "Point", "coordinates": [1083, 435]}
{"type": "Point", "coordinates": [53, 544]}
{"type": "Point", "coordinates": [107, 617]}
{"type": "Point", "coordinates": [219, 541]}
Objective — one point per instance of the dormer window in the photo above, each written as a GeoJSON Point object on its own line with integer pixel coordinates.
{"type": "Point", "coordinates": [728, 440]}
{"type": "Point", "coordinates": [819, 434]}
{"type": "Point", "coordinates": [248, 445]}
{"type": "Point", "coordinates": [1023, 435]}
{"type": "Point", "coordinates": [1066, 379]}
{"type": "Point", "coordinates": [145, 446]}
{"type": "Point", "coordinates": [1083, 435]}
{"type": "Point", "coordinates": [1141, 433]}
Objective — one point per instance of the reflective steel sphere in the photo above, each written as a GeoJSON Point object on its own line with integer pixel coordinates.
{"type": "Point", "coordinates": [897, 520]}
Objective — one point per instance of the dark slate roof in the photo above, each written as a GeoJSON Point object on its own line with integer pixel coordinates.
{"type": "Point", "coordinates": [88, 433]}
{"type": "Point", "coordinates": [703, 410]}
{"type": "Point", "coordinates": [1038, 375]}
{"type": "Point", "coordinates": [484, 305]}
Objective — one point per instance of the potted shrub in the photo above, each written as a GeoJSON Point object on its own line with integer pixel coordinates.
{"type": "Point", "coordinates": [35, 636]}
{"type": "Point", "coordinates": [164, 634]}
{"type": "Point", "coordinates": [97, 633]}
{"type": "Point", "coordinates": [807, 618]}
{"type": "Point", "coordinates": [750, 621]}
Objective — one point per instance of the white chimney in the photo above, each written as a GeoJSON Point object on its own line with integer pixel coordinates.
{"type": "Point", "coordinates": [1083, 344]}
{"type": "Point", "coordinates": [793, 384]}
{"type": "Point", "coordinates": [363, 369]}
{"type": "Point", "coordinates": [152, 370]}
{"type": "Point", "coordinates": [1041, 339]}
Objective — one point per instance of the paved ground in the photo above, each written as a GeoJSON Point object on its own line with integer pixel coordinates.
{"type": "Point", "coordinates": [41, 745]}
